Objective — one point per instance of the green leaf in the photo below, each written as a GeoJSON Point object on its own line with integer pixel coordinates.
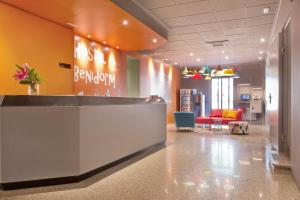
{"type": "Point", "coordinates": [25, 82]}
{"type": "Point", "coordinates": [18, 66]}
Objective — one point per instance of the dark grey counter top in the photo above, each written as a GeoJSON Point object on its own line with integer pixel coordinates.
{"type": "Point", "coordinates": [24, 100]}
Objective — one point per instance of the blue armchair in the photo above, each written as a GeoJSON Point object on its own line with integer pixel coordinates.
{"type": "Point", "coordinates": [184, 119]}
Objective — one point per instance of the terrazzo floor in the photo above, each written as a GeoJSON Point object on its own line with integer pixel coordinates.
{"type": "Point", "coordinates": [193, 166]}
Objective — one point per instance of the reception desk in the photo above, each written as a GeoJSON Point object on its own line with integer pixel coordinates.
{"type": "Point", "coordinates": [48, 140]}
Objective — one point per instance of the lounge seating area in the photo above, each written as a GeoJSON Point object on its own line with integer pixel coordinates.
{"type": "Point", "coordinates": [216, 117]}
{"type": "Point", "coordinates": [184, 119]}
{"type": "Point", "coordinates": [221, 116]}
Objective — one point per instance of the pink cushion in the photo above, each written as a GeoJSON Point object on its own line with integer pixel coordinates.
{"type": "Point", "coordinates": [216, 113]}
{"type": "Point", "coordinates": [239, 115]}
{"type": "Point", "coordinates": [225, 121]}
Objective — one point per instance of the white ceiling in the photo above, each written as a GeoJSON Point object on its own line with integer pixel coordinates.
{"type": "Point", "coordinates": [191, 23]}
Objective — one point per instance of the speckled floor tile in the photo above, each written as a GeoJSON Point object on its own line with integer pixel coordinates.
{"type": "Point", "coordinates": [208, 165]}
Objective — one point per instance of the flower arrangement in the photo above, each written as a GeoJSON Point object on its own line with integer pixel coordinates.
{"type": "Point", "coordinates": [27, 76]}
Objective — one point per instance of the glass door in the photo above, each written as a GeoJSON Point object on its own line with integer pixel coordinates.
{"type": "Point", "coordinates": [222, 93]}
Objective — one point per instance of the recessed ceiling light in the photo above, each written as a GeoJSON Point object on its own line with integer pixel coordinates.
{"type": "Point", "coordinates": [175, 63]}
{"type": "Point", "coordinates": [259, 58]}
{"type": "Point", "coordinates": [191, 54]}
{"type": "Point", "coordinates": [72, 25]}
{"type": "Point", "coordinates": [266, 10]}
{"type": "Point", "coordinates": [226, 57]}
{"type": "Point", "coordinates": [261, 52]}
{"type": "Point", "coordinates": [223, 52]}
{"type": "Point", "coordinates": [77, 38]}
{"type": "Point", "coordinates": [198, 59]}
{"type": "Point", "coordinates": [117, 47]}
{"type": "Point", "coordinates": [154, 40]}
{"type": "Point", "coordinates": [125, 22]}
{"type": "Point", "coordinates": [104, 42]}
{"type": "Point", "coordinates": [89, 36]}
{"type": "Point", "coordinates": [262, 40]}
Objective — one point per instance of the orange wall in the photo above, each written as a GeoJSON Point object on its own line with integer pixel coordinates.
{"type": "Point", "coordinates": [40, 43]}
{"type": "Point", "coordinates": [43, 44]}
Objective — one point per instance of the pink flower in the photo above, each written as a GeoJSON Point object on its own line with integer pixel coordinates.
{"type": "Point", "coordinates": [22, 73]}
{"type": "Point", "coordinates": [25, 66]}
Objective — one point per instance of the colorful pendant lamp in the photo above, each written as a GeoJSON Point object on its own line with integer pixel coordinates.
{"type": "Point", "coordinates": [228, 72]}
{"type": "Point", "coordinates": [197, 76]}
{"type": "Point", "coordinates": [184, 71]}
{"type": "Point", "coordinates": [190, 74]}
{"type": "Point", "coordinates": [235, 69]}
{"type": "Point", "coordinates": [218, 71]}
{"type": "Point", "coordinates": [208, 77]}
{"type": "Point", "coordinates": [219, 68]}
{"type": "Point", "coordinates": [236, 72]}
{"type": "Point", "coordinates": [206, 70]}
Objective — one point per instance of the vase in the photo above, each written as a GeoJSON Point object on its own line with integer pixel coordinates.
{"type": "Point", "coordinates": [34, 89]}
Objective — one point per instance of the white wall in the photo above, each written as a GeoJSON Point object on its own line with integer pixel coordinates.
{"type": "Point", "coordinates": [295, 91]}
{"type": "Point", "coordinates": [290, 10]}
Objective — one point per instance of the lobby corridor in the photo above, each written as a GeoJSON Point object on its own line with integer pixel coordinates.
{"type": "Point", "coordinates": [193, 166]}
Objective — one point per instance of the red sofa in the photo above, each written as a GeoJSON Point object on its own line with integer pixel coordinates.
{"type": "Point", "coordinates": [217, 114]}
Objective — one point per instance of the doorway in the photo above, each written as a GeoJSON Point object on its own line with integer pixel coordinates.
{"type": "Point", "coordinates": [222, 93]}
{"type": "Point", "coordinates": [133, 76]}
{"type": "Point", "coordinates": [285, 90]}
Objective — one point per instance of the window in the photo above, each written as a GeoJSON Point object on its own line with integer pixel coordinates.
{"type": "Point", "coordinates": [222, 93]}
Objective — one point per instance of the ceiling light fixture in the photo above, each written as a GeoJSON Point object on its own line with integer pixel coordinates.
{"type": "Point", "coordinates": [229, 72]}
{"type": "Point", "coordinates": [154, 40]}
{"type": "Point", "coordinates": [261, 52]}
{"type": "Point", "coordinates": [223, 52]}
{"type": "Point", "coordinates": [175, 63]}
{"type": "Point", "coordinates": [185, 71]}
{"type": "Point", "coordinates": [104, 42]}
{"type": "Point", "coordinates": [125, 22]}
{"type": "Point", "coordinates": [266, 10]}
{"type": "Point", "coordinates": [77, 38]}
{"type": "Point", "coordinates": [259, 58]}
{"type": "Point", "coordinates": [262, 40]}
{"type": "Point", "coordinates": [206, 70]}
{"type": "Point", "coordinates": [71, 25]}
{"type": "Point", "coordinates": [118, 47]}
{"type": "Point", "coordinates": [89, 36]}
{"type": "Point", "coordinates": [226, 58]}
{"type": "Point", "coordinates": [197, 76]}
{"type": "Point", "coordinates": [190, 74]}
{"type": "Point", "coordinates": [198, 59]}
{"type": "Point", "coordinates": [208, 77]}
{"type": "Point", "coordinates": [191, 54]}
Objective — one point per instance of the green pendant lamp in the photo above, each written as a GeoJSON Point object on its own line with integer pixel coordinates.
{"type": "Point", "coordinates": [206, 70]}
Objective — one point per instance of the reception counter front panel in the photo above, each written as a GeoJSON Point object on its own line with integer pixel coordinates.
{"type": "Point", "coordinates": [52, 140]}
